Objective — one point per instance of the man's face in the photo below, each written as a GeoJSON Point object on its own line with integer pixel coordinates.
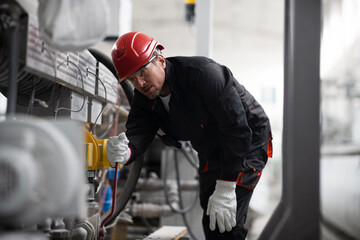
{"type": "Point", "coordinates": [150, 78]}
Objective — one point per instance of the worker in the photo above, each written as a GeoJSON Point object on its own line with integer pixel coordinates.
{"type": "Point", "coordinates": [198, 100]}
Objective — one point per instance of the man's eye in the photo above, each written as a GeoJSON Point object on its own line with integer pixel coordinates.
{"type": "Point", "coordinates": [132, 80]}
{"type": "Point", "coordinates": [141, 73]}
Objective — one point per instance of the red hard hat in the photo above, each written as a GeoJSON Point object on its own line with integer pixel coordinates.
{"type": "Point", "coordinates": [131, 51]}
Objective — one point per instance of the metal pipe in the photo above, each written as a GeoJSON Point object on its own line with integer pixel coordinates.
{"type": "Point", "coordinates": [158, 185]}
{"type": "Point", "coordinates": [150, 210]}
{"type": "Point", "coordinates": [13, 66]}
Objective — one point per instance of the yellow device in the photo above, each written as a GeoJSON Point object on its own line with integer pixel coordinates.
{"type": "Point", "coordinates": [95, 152]}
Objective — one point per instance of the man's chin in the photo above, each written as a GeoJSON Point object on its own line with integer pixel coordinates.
{"type": "Point", "coordinates": [151, 96]}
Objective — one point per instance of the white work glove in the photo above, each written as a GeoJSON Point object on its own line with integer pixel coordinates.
{"type": "Point", "coordinates": [222, 206]}
{"type": "Point", "coordinates": [117, 149]}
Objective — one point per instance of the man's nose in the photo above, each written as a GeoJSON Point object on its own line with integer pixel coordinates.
{"type": "Point", "coordinates": [140, 81]}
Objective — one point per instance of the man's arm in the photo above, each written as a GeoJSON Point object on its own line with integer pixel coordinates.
{"type": "Point", "coordinates": [217, 89]}
{"type": "Point", "coordinates": [141, 129]}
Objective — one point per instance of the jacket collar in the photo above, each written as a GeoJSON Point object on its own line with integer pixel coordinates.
{"type": "Point", "coordinates": [170, 77]}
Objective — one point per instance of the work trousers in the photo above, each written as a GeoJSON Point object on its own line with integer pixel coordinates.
{"type": "Point", "coordinates": [254, 164]}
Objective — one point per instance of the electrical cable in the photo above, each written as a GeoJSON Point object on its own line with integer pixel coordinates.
{"type": "Point", "coordinates": [83, 88]}
{"type": "Point", "coordinates": [187, 145]}
{"type": "Point", "coordinates": [147, 224]}
{"type": "Point", "coordinates": [106, 130]}
{"type": "Point", "coordinates": [194, 164]}
{"type": "Point", "coordinates": [105, 92]}
{"type": "Point", "coordinates": [31, 102]}
{"type": "Point", "coordinates": [102, 174]}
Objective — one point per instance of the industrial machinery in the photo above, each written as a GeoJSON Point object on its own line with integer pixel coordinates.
{"type": "Point", "coordinates": [61, 108]}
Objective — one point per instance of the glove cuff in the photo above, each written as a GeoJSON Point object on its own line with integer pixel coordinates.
{"type": "Point", "coordinates": [225, 186]}
{"type": "Point", "coordinates": [127, 155]}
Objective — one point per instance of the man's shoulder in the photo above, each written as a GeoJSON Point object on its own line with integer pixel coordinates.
{"type": "Point", "coordinates": [189, 61]}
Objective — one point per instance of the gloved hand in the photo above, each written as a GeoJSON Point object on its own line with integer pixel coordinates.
{"type": "Point", "coordinates": [222, 206]}
{"type": "Point", "coordinates": [117, 149]}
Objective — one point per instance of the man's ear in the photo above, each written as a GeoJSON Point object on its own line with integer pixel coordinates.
{"type": "Point", "coordinates": [162, 61]}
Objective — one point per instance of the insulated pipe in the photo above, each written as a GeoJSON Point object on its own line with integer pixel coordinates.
{"type": "Point", "coordinates": [104, 59]}
{"type": "Point", "coordinates": [150, 210]}
{"type": "Point", "coordinates": [158, 185]}
{"type": "Point", "coordinates": [135, 169]}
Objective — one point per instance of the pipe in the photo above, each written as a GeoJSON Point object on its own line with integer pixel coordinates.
{"type": "Point", "coordinates": [135, 169]}
{"type": "Point", "coordinates": [158, 185]}
{"type": "Point", "coordinates": [104, 59]}
{"type": "Point", "coordinates": [150, 210]}
{"type": "Point", "coordinates": [13, 67]}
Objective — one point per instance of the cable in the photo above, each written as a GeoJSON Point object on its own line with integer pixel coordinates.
{"type": "Point", "coordinates": [93, 129]}
{"type": "Point", "coordinates": [31, 102]}
{"type": "Point", "coordinates": [106, 130]}
{"type": "Point", "coordinates": [83, 88]}
{"type": "Point", "coordinates": [194, 164]}
{"type": "Point", "coordinates": [147, 224]}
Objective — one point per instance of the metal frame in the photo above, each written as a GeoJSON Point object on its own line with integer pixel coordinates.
{"type": "Point", "coordinates": [298, 214]}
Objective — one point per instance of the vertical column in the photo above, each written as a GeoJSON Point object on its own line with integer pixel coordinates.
{"type": "Point", "coordinates": [13, 42]}
{"type": "Point", "coordinates": [297, 216]}
{"type": "Point", "coordinates": [125, 16]}
{"type": "Point", "coordinates": [204, 27]}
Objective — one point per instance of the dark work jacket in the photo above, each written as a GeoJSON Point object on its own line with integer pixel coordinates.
{"type": "Point", "coordinates": [209, 108]}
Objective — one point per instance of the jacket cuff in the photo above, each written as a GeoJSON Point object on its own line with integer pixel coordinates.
{"type": "Point", "coordinates": [131, 158]}
{"type": "Point", "coordinates": [228, 176]}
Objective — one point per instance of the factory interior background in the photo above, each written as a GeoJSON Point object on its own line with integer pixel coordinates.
{"type": "Point", "coordinates": [249, 38]}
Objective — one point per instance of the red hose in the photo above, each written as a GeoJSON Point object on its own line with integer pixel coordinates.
{"type": "Point", "coordinates": [102, 229]}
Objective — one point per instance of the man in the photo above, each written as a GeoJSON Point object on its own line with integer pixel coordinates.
{"type": "Point", "coordinates": [198, 100]}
